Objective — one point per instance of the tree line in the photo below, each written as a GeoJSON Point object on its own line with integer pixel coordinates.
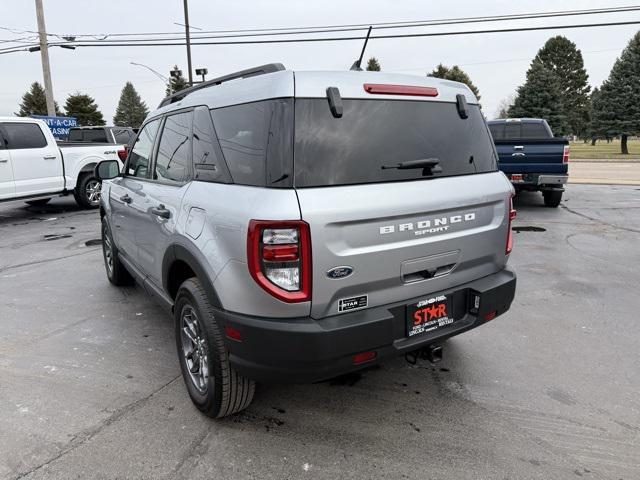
{"type": "Point", "coordinates": [131, 111]}
{"type": "Point", "coordinates": [556, 89]}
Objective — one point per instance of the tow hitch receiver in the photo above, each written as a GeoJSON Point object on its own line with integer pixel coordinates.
{"type": "Point", "coordinates": [433, 353]}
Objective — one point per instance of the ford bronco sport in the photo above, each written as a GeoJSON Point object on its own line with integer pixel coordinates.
{"type": "Point", "coordinates": [302, 225]}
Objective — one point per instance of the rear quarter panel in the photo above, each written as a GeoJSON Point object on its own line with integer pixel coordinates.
{"type": "Point", "coordinates": [215, 229]}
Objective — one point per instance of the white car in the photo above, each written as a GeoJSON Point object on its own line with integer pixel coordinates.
{"type": "Point", "coordinates": [34, 168]}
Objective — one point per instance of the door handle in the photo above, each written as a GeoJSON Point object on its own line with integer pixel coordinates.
{"type": "Point", "coordinates": [518, 154]}
{"type": "Point", "coordinates": [126, 199]}
{"type": "Point", "coordinates": [4, 160]}
{"type": "Point", "coordinates": [49, 157]}
{"type": "Point", "coordinates": [161, 211]}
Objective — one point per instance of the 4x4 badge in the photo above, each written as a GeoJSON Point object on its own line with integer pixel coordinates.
{"type": "Point", "coordinates": [340, 272]}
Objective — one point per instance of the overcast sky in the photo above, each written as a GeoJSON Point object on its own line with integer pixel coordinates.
{"type": "Point", "coordinates": [497, 63]}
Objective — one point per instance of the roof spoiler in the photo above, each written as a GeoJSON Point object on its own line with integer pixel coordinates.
{"type": "Point", "coordinates": [249, 72]}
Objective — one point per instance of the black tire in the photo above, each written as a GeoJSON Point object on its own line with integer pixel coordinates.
{"type": "Point", "coordinates": [39, 202]}
{"type": "Point", "coordinates": [221, 391]}
{"type": "Point", "coordinates": [116, 271]}
{"type": "Point", "coordinates": [552, 198]}
{"type": "Point", "coordinates": [84, 193]}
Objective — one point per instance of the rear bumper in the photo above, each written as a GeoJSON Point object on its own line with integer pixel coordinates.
{"type": "Point", "coordinates": [538, 181]}
{"type": "Point", "coordinates": [305, 350]}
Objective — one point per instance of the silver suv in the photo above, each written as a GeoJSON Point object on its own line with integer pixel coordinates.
{"type": "Point", "coordinates": [302, 225]}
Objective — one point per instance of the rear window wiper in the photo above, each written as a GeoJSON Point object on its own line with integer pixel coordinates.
{"type": "Point", "coordinates": [429, 166]}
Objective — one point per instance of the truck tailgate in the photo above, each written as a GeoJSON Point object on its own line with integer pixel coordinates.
{"type": "Point", "coordinates": [532, 156]}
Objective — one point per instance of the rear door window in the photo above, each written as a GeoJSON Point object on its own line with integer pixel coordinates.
{"type": "Point", "coordinates": [23, 135]}
{"type": "Point", "coordinates": [140, 156]}
{"type": "Point", "coordinates": [174, 151]}
{"type": "Point", "coordinates": [372, 134]}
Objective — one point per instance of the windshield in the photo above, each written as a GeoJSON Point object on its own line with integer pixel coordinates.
{"type": "Point", "coordinates": [376, 133]}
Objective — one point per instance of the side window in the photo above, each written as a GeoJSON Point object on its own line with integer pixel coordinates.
{"type": "Point", "coordinates": [243, 131]}
{"type": "Point", "coordinates": [208, 163]}
{"type": "Point", "coordinates": [173, 156]}
{"type": "Point", "coordinates": [23, 135]}
{"type": "Point", "coordinates": [139, 158]}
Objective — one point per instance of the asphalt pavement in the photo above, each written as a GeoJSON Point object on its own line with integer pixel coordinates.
{"type": "Point", "coordinates": [90, 384]}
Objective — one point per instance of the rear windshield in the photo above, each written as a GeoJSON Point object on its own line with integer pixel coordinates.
{"type": "Point", "coordinates": [522, 130]}
{"type": "Point", "coordinates": [262, 147]}
{"type": "Point", "coordinates": [97, 135]}
{"type": "Point", "coordinates": [372, 134]}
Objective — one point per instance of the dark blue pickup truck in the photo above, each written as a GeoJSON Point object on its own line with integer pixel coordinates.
{"type": "Point", "coordinates": [532, 157]}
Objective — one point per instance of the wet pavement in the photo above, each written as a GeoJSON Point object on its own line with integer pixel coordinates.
{"type": "Point", "coordinates": [90, 385]}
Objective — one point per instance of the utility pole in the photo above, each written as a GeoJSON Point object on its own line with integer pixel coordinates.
{"type": "Point", "coordinates": [44, 55]}
{"type": "Point", "coordinates": [186, 29]}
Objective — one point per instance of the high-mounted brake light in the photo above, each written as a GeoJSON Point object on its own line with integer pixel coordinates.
{"type": "Point", "coordinates": [565, 154]}
{"type": "Point", "coordinates": [512, 216]}
{"type": "Point", "coordinates": [279, 258]}
{"type": "Point", "coordinates": [400, 90]}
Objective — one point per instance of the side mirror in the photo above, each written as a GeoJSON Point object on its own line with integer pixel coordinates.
{"type": "Point", "coordinates": [106, 170]}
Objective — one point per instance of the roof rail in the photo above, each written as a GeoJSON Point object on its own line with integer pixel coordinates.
{"type": "Point", "coordinates": [249, 72]}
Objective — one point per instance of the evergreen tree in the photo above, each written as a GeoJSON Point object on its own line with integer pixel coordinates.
{"type": "Point", "coordinates": [540, 97]}
{"type": "Point", "coordinates": [34, 102]}
{"type": "Point", "coordinates": [84, 108]}
{"type": "Point", "coordinates": [617, 106]}
{"type": "Point", "coordinates": [561, 56]}
{"type": "Point", "coordinates": [131, 110]}
{"type": "Point", "coordinates": [455, 74]}
{"type": "Point", "coordinates": [373, 65]}
{"type": "Point", "coordinates": [177, 83]}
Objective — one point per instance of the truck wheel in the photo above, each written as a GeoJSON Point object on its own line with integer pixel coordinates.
{"type": "Point", "coordinates": [87, 191]}
{"type": "Point", "coordinates": [38, 203]}
{"type": "Point", "coordinates": [116, 271]}
{"type": "Point", "coordinates": [214, 387]}
{"type": "Point", "coordinates": [552, 198]}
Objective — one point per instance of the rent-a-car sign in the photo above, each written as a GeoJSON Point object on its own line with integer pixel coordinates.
{"type": "Point", "coordinates": [59, 126]}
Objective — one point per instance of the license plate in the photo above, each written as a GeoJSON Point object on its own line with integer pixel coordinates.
{"type": "Point", "coordinates": [428, 315]}
{"type": "Point", "coordinates": [517, 178]}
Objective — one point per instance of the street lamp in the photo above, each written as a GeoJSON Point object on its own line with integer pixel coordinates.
{"type": "Point", "coordinates": [202, 71]}
{"type": "Point", "coordinates": [157, 74]}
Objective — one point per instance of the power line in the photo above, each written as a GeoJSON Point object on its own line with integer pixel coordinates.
{"type": "Point", "coordinates": [348, 27]}
{"type": "Point", "coordinates": [177, 42]}
{"type": "Point", "coordinates": [377, 37]}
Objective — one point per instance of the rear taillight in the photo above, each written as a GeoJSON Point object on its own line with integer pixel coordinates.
{"type": "Point", "coordinates": [565, 154]}
{"type": "Point", "coordinates": [122, 154]}
{"type": "Point", "coordinates": [512, 216]}
{"type": "Point", "coordinates": [410, 90]}
{"type": "Point", "coordinates": [279, 258]}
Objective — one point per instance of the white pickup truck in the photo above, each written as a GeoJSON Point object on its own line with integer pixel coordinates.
{"type": "Point", "coordinates": [34, 168]}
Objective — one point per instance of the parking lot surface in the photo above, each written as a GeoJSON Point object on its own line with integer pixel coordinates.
{"type": "Point", "coordinates": [90, 385]}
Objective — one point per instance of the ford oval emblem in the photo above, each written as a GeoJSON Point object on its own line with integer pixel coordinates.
{"type": "Point", "coordinates": [340, 272]}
